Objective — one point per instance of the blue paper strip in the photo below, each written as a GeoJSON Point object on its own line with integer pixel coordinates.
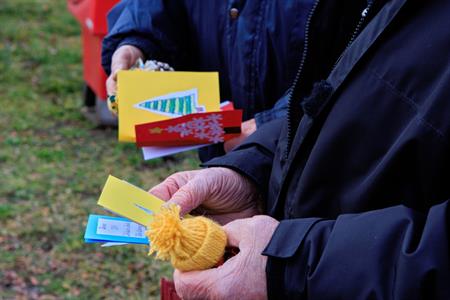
{"type": "Point", "coordinates": [104, 229]}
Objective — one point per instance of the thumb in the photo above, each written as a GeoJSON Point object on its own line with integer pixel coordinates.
{"type": "Point", "coordinates": [111, 85]}
{"type": "Point", "coordinates": [189, 196]}
{"type": "Point", "coordinates": [118, 66]}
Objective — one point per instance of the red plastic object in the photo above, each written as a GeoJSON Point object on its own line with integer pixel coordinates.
{"type": "Point", "coordinates": [167, 290]}
{"type": "Point", "coordinates": [167, 287]}
{"type": "Point", "coordinates": [91, 14]}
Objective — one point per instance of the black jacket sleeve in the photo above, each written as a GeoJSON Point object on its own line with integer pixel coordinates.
{"type": "Point", "coordinates": [254, 157]}
{"type": "Point", "coordinates": [159, 28]}
{"type": "Point", "coordinates": [392, 253]}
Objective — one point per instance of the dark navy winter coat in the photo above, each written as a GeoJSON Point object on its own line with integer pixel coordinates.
{"type": "Point", "coordinates": [256, 44]}
{"type": "Point", "coordinates": [359, 173]}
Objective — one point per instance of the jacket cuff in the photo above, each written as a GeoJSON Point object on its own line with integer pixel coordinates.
{"type": "Point", "coordinates": [141, 43]}
{"type": "Point", "coordinates": [278, 111]}
{"type": "Point", "coordinates": [289, 256]}
{"type": "Point", "coordinates": [110, 45]}
{"type": "Point", "coordinates": [296, 230]}
{"type": "Point", "coordinates": [238, 160]}
{"type": "Point", "coordinates": [254, 157]}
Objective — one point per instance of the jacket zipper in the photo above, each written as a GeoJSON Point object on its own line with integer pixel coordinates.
{"type": "Point", "coordinates": [364, 14]}
{"type": "Point", "coordinates": [297, 79]}
{"type": "Point", "coordinates": [358, 27]}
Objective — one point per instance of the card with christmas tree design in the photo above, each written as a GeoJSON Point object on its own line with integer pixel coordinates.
{"type": "Point", "coordinates": [145, 97]}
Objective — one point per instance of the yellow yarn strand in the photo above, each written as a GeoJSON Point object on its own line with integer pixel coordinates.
{"type": "Point", "coordinates": [196, 243]}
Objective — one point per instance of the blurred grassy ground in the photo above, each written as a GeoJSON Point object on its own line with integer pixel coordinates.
{"type": "Point", "coordinates": [53, 164]}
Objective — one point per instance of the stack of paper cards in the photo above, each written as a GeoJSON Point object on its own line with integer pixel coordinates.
{"type": "Point", "coordinates": [134, 205]}
{"type": "Point", "coordinates": [105, 229]}
{"type": "Point", "coordinates": [170, 112]}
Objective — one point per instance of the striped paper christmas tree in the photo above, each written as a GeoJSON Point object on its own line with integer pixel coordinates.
{"type": "Point", "coordinates": [174, 104]}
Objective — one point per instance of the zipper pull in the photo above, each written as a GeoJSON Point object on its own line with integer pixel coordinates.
{"type": "Point", "coordinates": [364, 12]}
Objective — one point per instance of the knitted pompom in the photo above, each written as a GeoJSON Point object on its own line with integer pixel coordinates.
{"type": "Point", "coordinates": [196, 243]}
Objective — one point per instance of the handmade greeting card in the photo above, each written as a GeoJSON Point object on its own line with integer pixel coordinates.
{"type": "Point", "coordinates": [151, 152]}
{"type": "Point", "coordinates": [129, 201]}
{"type": "Point", "coordinates": [145, 97]}
{"type": "Point", "coordinates": [192, 129]}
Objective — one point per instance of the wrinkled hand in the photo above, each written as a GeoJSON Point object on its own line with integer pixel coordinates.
{"type": "Point", "coordinates": [247, 128]}
{"type": "Point", "coordinates": [123, 59]}
{"type": "Point", "coordinates": [219, 193]}
{"type": "Point", "coordinates": [242, 276]}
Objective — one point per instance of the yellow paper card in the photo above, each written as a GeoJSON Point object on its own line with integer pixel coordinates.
{"type": "Point", "coordinates": [129, 201]}
{"type": "Point", "coordinates": [145, 97]}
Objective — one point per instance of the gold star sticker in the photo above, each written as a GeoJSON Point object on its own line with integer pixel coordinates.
{"type": "Point", "coordinates": [156, 130]}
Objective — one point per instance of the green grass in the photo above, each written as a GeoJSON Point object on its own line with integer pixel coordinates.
{"type": "Point", "coordinates": [53, 164]}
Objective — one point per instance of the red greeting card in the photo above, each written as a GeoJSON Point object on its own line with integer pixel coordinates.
{"type": "Point", "coordinates": [192, 129]}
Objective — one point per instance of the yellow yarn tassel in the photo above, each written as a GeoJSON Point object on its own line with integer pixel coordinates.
{"type": "Point", "coordinates": [196, 243]}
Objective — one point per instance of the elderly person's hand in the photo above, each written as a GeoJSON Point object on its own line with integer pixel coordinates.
{"type": "Point", "coordinates": [123, 59]}
{"type": "Point", "coordinates": [242, 276]}
{"type": "Point", "coordinates": [219, 193]}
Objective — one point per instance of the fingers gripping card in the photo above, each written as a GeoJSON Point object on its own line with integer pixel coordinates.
{"type": "Point", "coordinates": [145, 97]}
